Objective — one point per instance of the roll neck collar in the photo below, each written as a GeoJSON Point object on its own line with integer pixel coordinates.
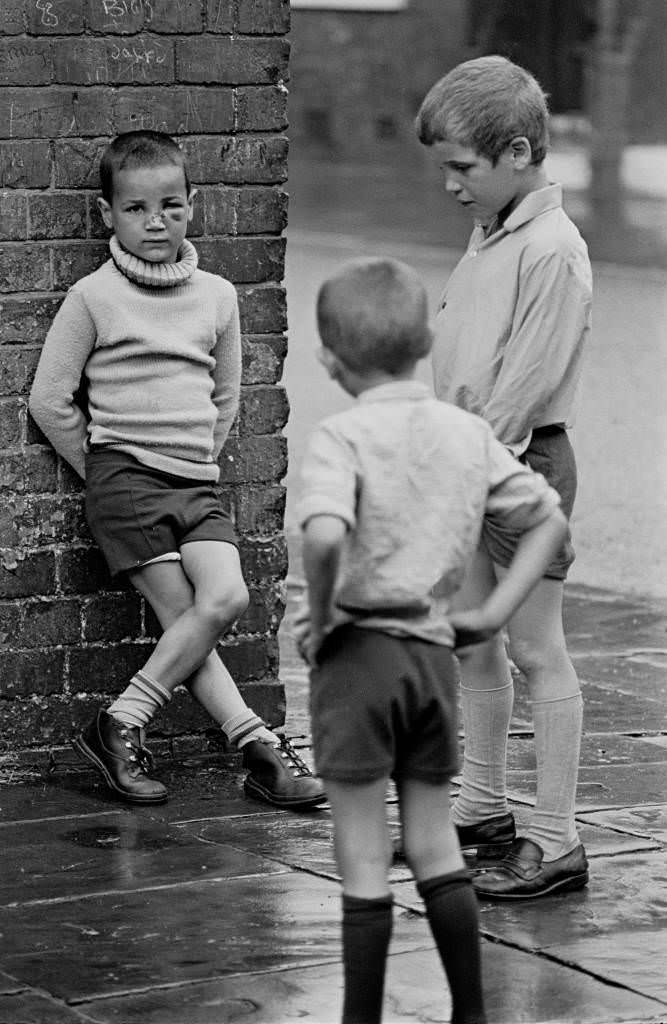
{"type": "Point", "coordinates": [155, 275]}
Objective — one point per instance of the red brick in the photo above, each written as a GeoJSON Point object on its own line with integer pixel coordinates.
{"type": "Point", "coordinates": [243, 260]}
{"type": "Point", "coordinates": [25, 673]}
{"type": "Point", "coordinates": [220, 16]}
{"type": "Point", "coordinates": [264, 612]}
{"type": "Point", "coordinates": [24, 268]}
{"type": "Point", "coordinates": [264, 560]}
{"type": "Point", "coordinates": [106, 668]}
{"type": "Point", "coordinates": [254, 460]}
{"type": "Point", "coordinates": [10, 621]}
{"type": "Point", "coordinates": [112, 617]}
{"type": "Point", "coordinates": [17, 369]}
{"type": "Point", "coordinates": [77, 163]}
{"type": "Point", "coordinates": [25, 62]}
{"type": "Point", "coordinates": [10, 426]}
{"type": "Point", "coordinates": [259, 511]}
{"type": "Point", "coordinates": [84, 571]}
{"type": "Point", "coordinates": [54, 17]}
{"type": "Point", "coordinates": [13, 216]}
{"type": "Point", "coordinates": [143, 59]}
{"type": "Point", "coordinates": [237, 160]}
{"type": "Point", "coordinates": [35, 521]}
{"type": "Point", "coordinates": [263, 309]}
{"type": "Point", "coordinates": [230, 60]}
{"type": "Point", "coordinates": [32, 471]}
{"type": "Point", "coordinates": [119, 16]}
{"type": "Point", "coordinates": [261, 211]}
{"type": "Point", "coordinates": [25, 164]}
{"type": "Point", "coordinates": [263, 410]}
{"type": "Point", "coordinates": [26, 320]}
{"type": "Point", "coordinates": [184, 16]}
{"type": "Point", "coordinates": [27, 573]}
{"type": "Point", "coordinates": [54, 112]}
{"type": "Point", "coordinates": [50, 623]}
{"type": "Point", "coordinates": [57, 215]}
{"type": "Point", "coordinates": [220, 206]}
{"type": "Point", "coordinates": [263, 17]}
{"type": "Point", "coordinates": [261, 108]}
{"type": "Point", "coordinates": [263, 357]}
{"type": "Point", "coordinates": [267, 698]}
{"type": "Point", "coordinates": [249, 659]}
{"type": "Point", "coordinates": [178, 111]}
{"type": "Point", "coordinates": [12, 20]}
{"type": "Point", "coordinates": [72, 261]}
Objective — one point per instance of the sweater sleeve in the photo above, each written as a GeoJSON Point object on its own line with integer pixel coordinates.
{"type": "Point", "coordinates": [67, 347]}
{"type": "Point", "coordinates": [227, 374]}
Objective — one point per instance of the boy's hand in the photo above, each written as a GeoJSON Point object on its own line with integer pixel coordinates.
{"type": "Point", "coordinates": [471, 627]}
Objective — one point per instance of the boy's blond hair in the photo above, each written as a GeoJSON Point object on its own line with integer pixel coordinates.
{"type": "Point", "coordinates": [484, 104]}
{"type": "Point", "coordinates": [373, 315]}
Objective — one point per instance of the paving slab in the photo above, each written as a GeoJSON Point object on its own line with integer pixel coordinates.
{"type": "Point", "coordinates": [103, 853]}
{"type": "Point", "coordinates": [189, 932]}
{"type": "Point", "coordinates": [649, 822]}
{"type": "Point", "coordinates": [35, 1008]}
{"type": "Point", "coordinates": [602, 786]}
{"type": "Point", "coordinates": [541, 992]}
{"type": "Point", "coordinates": [597, 749]}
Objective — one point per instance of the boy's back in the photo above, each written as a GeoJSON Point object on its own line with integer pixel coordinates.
{"type": "Point", "coordinates": [413, 478]}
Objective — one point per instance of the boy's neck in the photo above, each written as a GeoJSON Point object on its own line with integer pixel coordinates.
{"type": "Point", "coordinates": [357, 383]}
{"type": "Point", "coordinates": [534, 178]}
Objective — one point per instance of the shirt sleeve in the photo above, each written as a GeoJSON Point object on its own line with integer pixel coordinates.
{"type": "Point", "coordinates": [328, 478]}
{"type": "Point", "coordinates": [549, 327]}
{"type": "Point", "coordinates": [66, 350]}
{"type": "Point", "coordinates": [227, 374]}
{"type": "Point", "coordinates": [518, 498]}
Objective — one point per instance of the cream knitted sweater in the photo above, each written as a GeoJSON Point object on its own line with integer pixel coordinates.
{"type": "Point", "coordinates": [159, 348]}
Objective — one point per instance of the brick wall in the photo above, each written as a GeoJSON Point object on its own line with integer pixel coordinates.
{"type": "Point", "coordinates": [72, 74]}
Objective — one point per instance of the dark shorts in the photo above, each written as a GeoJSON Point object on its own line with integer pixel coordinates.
{"type": "Point", "coordinates": [381, 706]}
{"type": "Point", "coordinates": [136, 513]}
{"type": "Point", "coordinates": [549, 453]}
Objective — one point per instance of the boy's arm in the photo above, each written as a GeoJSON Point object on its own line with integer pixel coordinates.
{"type": "Point", "coordinates": [535, 551]}
{"type": "Point", "coordinates": [66, 350]}
{"type": "Point", "coordinates": [323, 538]}
{"type": "Point", "coordinates": [227, 374]}
{"type": "Point", "coordinates": [551, 322]}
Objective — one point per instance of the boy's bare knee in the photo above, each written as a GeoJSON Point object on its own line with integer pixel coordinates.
{"type": "Point", "coordinates": [223, 607]}
{"type": "Point", "coordinates": [531, 657]}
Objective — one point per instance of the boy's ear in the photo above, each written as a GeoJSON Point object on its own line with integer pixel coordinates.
{"type": "Point", "coordinates": [521, 152]}
{"type": "Point", "coordinates": [105, 210]}
{"type": "Point", "coordinates": [191, 199]}
{"type": "Point", "coordinates": [330, 362]}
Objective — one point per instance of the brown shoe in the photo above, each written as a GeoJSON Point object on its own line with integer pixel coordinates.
{"type": "Point", "coordinates": [485, 842]}
{"type": "Point", "coordinates": [523, 874]}
{"type": "Point", "coordinates": [116, 751]}
{"type": "Point", "coordinates": [278, 776]}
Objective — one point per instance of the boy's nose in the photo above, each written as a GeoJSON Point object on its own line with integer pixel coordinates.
{"type": "Point", "coordinates": [155, 220]}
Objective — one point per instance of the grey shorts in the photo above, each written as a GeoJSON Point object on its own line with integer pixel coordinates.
{"type": "Point", "coordinates": [549, 453]}
{"type": "Point", "coordinates": [136, 514]}
{"type": "Point", "coordinates": [384, 706]}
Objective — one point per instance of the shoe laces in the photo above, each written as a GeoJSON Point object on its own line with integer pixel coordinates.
{"type": "Point", "coordinates": [140, 756]}
{"type": "Point", "coordinates": [293, 760]}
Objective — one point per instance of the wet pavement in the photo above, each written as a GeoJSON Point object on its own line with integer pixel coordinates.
{"type": "Point", "coordinates": [212, 908]}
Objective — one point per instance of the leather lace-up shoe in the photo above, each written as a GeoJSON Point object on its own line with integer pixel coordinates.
{"type": "Point", "coordinates": [116, 751]}
{"type": "Point", "coordinates": [523, 874]}
{"type": "Point", "coordinates": [483, 843]}
{"type": "Point", "coordinates": [278, 776]}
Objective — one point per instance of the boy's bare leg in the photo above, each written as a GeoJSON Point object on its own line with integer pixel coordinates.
{"type": "Point", "coordinates": [538, 647]}
{"type": "Point", "coordinates": [363, 854]}
{"type": "Point", "coordinates": [487, 698]}
{"type": "Point", "coordinates": [433, 853]}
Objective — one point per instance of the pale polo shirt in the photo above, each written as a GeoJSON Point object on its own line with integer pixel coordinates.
{"type": "Point", "coordinates": [412, 478]}
{"type": "Point", "coordinates": [514, 320]}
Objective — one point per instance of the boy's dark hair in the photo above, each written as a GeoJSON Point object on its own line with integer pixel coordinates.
{"type": "Point", "coordinates": [139, 149]}
{"type": "Point", "coordinates": [373, 315]}
{"type": "Point", "coordinates": [484, 104]}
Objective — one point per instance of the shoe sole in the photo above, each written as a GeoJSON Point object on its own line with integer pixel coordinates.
{"type": "Point", "coordinates": [84, 750]}
{"type": "Point", "coordinates": [570, 884]}
{"type": "Point", "coordinates": [257, 792]}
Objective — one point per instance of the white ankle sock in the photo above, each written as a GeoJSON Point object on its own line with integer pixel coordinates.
{"type": "Point", "coordinates": [246, 727]}
{"type": "Point", "coordinates": [486, 720]}
{"type": "Point", "coordinates": [137, 704]}
{"type": "Point", "coordinates": [557, 725]}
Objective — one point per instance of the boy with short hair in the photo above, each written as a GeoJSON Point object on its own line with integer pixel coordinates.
{"type": "Point", "coordinates": [509, 340]}
{"type": "Point", "coordinates": [395, 490]}
{"type": "Point", "coordinates": [158, 341]}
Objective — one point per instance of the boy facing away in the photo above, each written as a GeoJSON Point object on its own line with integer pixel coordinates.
{"type": "Point", "coordinates": [509, 339]}
{"type": "Point", "coordinates": [158, 341]}
{"type": "Point", "coordinates": [395, 491]}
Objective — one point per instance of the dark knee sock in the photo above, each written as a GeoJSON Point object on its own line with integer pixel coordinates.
{"type": "Point", "coordinates": [366, 933]}
{"type": "Point", "coordinates": [451, 908]}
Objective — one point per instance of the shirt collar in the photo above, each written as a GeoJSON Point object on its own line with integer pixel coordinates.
{"type": "Point", "coordinates": [548, 198]}
{"type": "Point", "coordinates": [404, 389]}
